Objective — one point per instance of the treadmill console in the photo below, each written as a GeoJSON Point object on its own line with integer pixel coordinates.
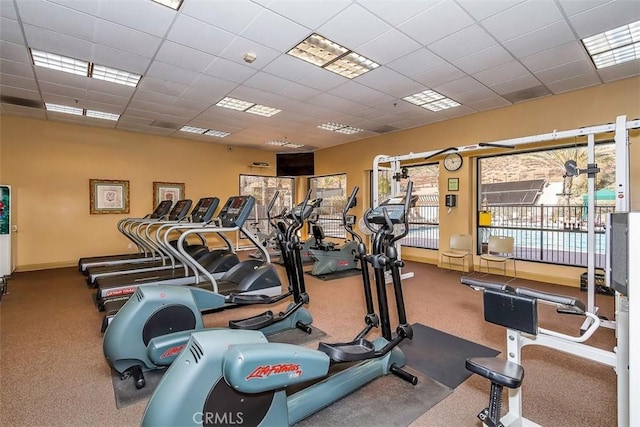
{"type": "Point", "coordinates": [236, 211]}
{"type": "Point", "coordinates": [180, 210]}
{"type": "Point", "coordinates": [351, 220]}
{"type": "Point", "coordinates": [162, 209]}
{"type": "Point", "coordinates": [394, 208]}
{"type": "Point", "coordinates": [204, 209]}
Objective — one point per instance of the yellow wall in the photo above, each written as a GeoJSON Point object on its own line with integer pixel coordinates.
{"type": "Point", "coordinates": [49, 165]}
{"type": "Point", "coordinates": [592, 106]}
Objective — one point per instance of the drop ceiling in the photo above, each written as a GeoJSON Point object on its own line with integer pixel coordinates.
{"type": "Point", "coordinates": [484, 54]}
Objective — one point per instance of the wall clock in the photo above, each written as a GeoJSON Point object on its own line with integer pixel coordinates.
{"type": "Point", "coordinates": [452, 162]}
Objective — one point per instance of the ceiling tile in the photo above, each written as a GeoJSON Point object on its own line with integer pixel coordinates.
{"type": "Point", "coordinates": [323, 79]}
{"type": "Point", "coordinates": [49, 41]}
{"type": "Point", "coordinates": [275, 31]}
{"type": "Point", "coordinates": [388, 46]}
{"type": "Point", "coordinates": [473, 96]}
{"type": "Point", "coordinates": [114, 89]}
{"type": "Point", "coordinates": [198, 35]}
{"type": "Point", "coordinates": [483, 9]}
{"type": "Point", "coordinates": [18, 92]}
{"type": "Point", "coordinates": [154, 97]}
{"type": "Point", "coordinates": [554, 57]}
{"type": "Point", "coordinates": [230, 15]}
{"type": "Point", "coordinates": [622, 71]}
{"type": "Point", "coordinates": [61, 78]}
{"type": "Point", "coordinates": [7, 10]}
{"type": "Point", "coordinates": [437, 22]}
{"type": "Point", "coordinates": [574, 82]}
{"type": "Point", "coordinates": [119, 59]}
{"type": "Point", "coordinates": [237, 49]}
{"type": "Point", "coordinates": [14, 52]}
{"type": "Point", "coordinates": [489, 104]}
{"type": "Point", "coordinates": [603, 18]}
{"type": "Point", "coordinates": [456, 87]}
{"type": "Point", "coordinates": [250, 94]}
{"type": "Point", "coordinates": [206, 87]}
{"type": "Point", "coordinates": [161, 86]}
{"type": "Point", "coordinates": [416, 62]}
{"type": "Point", "coordinates": [189, 58]}
{"type": "Point", "coordinates": [568, 70]}
{"type": "Point", "coordinates": [91, 7]}
{"type": "Point", "coordinates": [229, 70]}
{"type": "Point", "coordinates": [440, 75]}
{"type": "Point", "coordinates": [289, 67]}
{"type": "Point", "coordinates": [157, 18]}
{"type": "Point", "coordinates": [121, 37]}
{"type": "Point", "coordinates": [107, 98]}
{"type": "Point", "coordinates": [522, 18]}
{"type": "Point", "coordinates": [18, 82]}
{"type": "Point", "coordinates": [299, 92]}
{"type": "Point", "coordinates": [308, 13]}
{"type": "Point", "coordinates": [57, 18]}
{"type": "Point", "coordinates": [501, 73]}
{"type": "Point", "coordinates": [544, 38]}
{"type": "Point", "coordinates": [353, 27]}
{"type": "Point", "coordinates": [10, 30]}
{"type": "Point", "coordinates": [382, 78]}
{"type": "Point", "coordinates": [465, 42]}
{"type": "Point", "coordinates": [163, 71]}
{"type": "Point", "coordinates": [267, 82]}
{"type": "Point", "coordinates": [398, 11]}
{"type": "Point", "coordinates": [515, 85]}
{"type": "Point", "coordinates": [573, 7]}
{"type": "Point", "coordinates": [62, 90]}
{"type": "Point", "coordinates": [483, 60]}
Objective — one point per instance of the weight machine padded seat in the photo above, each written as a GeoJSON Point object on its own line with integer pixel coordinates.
{"type": "Point", "coordinates": [498, 371]}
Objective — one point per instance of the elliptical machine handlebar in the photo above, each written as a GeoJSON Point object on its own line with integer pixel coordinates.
{"type": "Point", "coordinates": [351, 202]}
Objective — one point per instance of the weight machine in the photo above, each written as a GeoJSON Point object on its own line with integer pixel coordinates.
{"type": "Point", "coordinates": [627, 323]}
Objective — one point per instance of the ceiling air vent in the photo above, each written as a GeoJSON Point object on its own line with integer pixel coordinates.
{"type": "Point", "coordinates": [385, 129]}
{"type": "Point", "coordinates": [165, 125]}
{"type": "Point", "coordinates": [23, 102]}
{"type": "Point", "coordinates": [527, 94]}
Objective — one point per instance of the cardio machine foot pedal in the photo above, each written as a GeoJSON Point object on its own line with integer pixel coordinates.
{"type": "Point", "coordinates": [348, 352]}
{"type": "Point", "coordinates": [249, 299]}
{"type": "Point", "coordinates": [136, 373]}
{"type": "Point", "coordinates": [253, 323]}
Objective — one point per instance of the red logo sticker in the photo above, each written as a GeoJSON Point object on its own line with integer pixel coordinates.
{"type": "Point", "coordinates": [279, 368]}
{"type": "Point", "coordinates": [172, 351]}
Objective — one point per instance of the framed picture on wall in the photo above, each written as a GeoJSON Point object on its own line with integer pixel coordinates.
{"type": "Point", "coordinates": [173, 191]}
{"type": "Point", "coordinates": [108, 196]}
{"type": "Point", "coordinates": [453, 184]}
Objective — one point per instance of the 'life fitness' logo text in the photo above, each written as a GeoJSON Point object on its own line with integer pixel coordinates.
{"type": "Point", "coordinates": [293, 369]}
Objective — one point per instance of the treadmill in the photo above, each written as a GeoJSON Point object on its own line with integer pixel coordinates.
{"type": "Point", "coordinates": [249, 277]}
{"type": "Point", "coordinates": [124, 226]}
{"type": "Point", "coordinates": [217, 261]}
{"type": "Point", "coordinates": [142, 231]}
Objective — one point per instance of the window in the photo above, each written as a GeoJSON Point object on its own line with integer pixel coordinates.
{"type": "Point", "coordinates": [530, 197]}
{"type": "Point", "coordinates": [424, 218]}
{"type": "Point", "coordinates": [263, 188]}
{"type": "Point", "coordinates": [334, 193]}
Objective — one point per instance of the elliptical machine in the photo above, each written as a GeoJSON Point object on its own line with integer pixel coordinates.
{"type": "Point", "coordinates": [331, 258]}
{"type": "Point", "coordinates": [223, 373]}
{"type": "Point", "coordinates": [153, 326]}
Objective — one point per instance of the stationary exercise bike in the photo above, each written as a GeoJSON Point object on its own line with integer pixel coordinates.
{"type": "Point", "coordinates": [331, 258]}
{"type": "Point", "coordinates": [237, 377]}
{"type": "Point", "coordinates": [153, 326]}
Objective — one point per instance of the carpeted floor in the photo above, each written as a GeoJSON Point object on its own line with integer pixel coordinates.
{"type": "Point", "coordinates": [53, 372]}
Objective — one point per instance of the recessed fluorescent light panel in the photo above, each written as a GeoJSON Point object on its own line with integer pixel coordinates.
{"type": "Point", "coordinates": [217, 133]}
{"type": "Point", "coordinates": [102, 115]}
{"type": "Point", "coordinates": [57, 108]}
{"type": "Point", "coordinates": [247, 107]}
{"type": "Point", "coordinates": [59, 63]}
{"type": "Point", "coordinates": [63, 109]}
{"type": "Point", "coordinates": [284, 144]}
{"type": "Point", "coordinates": [324, 53]}
{"type": "Point", "coordinates": [173, 4]}
{"type": "Point", "coordinates": [431, 100]}
{"type": "Point", "coordinates": [192, 129]}
{"type": "Point", "coordinates": [335, 127]}
{"type": "Point", "coordinates": [113, 75]}
{"type": "Point", "coordinates": [203, 131]}
{"type": "Point", "coordinates": [83, 68]}
{"type": "Point", "coordinates": [615, 46]}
